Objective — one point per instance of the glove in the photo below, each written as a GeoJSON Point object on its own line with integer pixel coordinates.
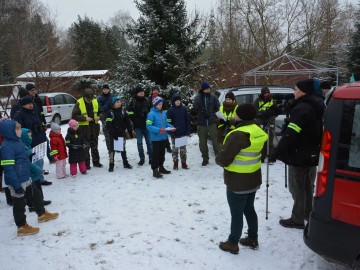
{"type": "Point", "coordinates": [173, 130]}
{"type": "Point", "coordinates": [222, 121]}
{"type": "Point", "coordinates": [20, 191]}
{"type": "Point", "coordinates": [56, 158]}
{"type": "Point", "coordinates": [162, 130]}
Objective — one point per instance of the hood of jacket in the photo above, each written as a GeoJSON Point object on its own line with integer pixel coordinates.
{"type": "Point", "coordinates": [7, 129]}
{"type": "Point", "coordinates": [25, 137]}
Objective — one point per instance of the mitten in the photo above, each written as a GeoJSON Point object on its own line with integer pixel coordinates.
{"type": "Point", "coordinates": [162, 130]}
{"type": "Point", "coordinates": [56, 158]}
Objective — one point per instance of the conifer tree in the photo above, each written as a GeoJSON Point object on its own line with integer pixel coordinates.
{"type": "Point", "coordinates": [354, 49]}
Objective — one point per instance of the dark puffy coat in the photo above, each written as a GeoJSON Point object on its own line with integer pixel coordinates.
{"type": "Point", "coordinates": [206, 105]}
{"type": "Point", "coordinates": [39, 108]}
{"type": "Point", "coordinates": [30, 119]}
{"type": "Point", "coordinates": [57, 142]}
{"type": "Point", "coordinates": [105, 102]}
{"type": "Point", "coordinates": [117, 121]}
{"type": "Point", "coordinates": [302, 147]}
{"type": "Point", "coordinates": [15, 159]}
{"type": "Point", "coordinates": [138, 110]}
{"type": "Point", "coordinates": [178, 116]}
{"type": "Point", "coordinates": [75, 142]}
{"type": "Point", "coordinates": [92, 130]}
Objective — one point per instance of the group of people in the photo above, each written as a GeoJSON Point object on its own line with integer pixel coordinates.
{"type": "Point", "coordinates": [238, 141]}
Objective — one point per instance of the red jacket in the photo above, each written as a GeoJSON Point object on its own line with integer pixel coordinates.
{"type": "Point", "coordinates": [57, 142]}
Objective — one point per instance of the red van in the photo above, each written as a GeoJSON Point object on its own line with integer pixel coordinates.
{"type": "Point", "coordinates": [333, 230]}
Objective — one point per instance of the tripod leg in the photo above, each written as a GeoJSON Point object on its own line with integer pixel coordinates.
{"type": "Point", "coordinates": [286, 175]}
{"type": "Point", "coordinates": [267, 174]}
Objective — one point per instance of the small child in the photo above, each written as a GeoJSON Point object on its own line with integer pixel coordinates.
{"type": "Point", "coordinates": [16, 165]}
{"type": "Point", "coordinates": [58, 150]}
{"type": "Point", "coordinates": [117, 122]}
{"type": "Point", "coordinates": [35, 170]}
{"type": "Point", "coordinates": [178, 116]}
{"type": "Point", "coordinates": [77, 149]}
{"type": "Point", "coordinates": [156, 123]}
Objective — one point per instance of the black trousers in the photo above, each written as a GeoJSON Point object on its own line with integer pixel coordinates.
{"type": "Point", "coordinates": [158, 154]}
{"type": "Point", "coordinates": [93, 143]}
{"type": "Point", "coordinates": [33, 195]}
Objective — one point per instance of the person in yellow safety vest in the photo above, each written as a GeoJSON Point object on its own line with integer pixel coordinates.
{"type": "Point", "coordinates": [240, 156]}
{"type": "Point", "coordinates": [228, 111]}
{"type": "Point", "coordinates": [267, 111]}
{"type": "Point", "coordinates": [88, 113]}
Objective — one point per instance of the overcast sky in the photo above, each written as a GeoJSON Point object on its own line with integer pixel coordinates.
{"type": "Point", "coordinates": [66, 11]}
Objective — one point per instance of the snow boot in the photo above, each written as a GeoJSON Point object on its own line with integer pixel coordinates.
{"type": "Point", "coordinates": [27, 230]}
{"type": "Point", "coordinates": [127, 165]}
{"type": "Point", "coordinates": [229, 247]}
{"type": "Point", "coordinates": [111, 167]}
{"type": "Point", "coordinates": [162, 170]}
{"type": "Point", "coordinates": [184, 165]}
{"type": "Point", "coordinates": [157, 174]}
{"type": "Point", "coordinates": [47, 216]}
{"type": "Point", "coordinates": [141, 162]}
{"type": "Point", "coordinates": [176, 165]}
{"type": "Point", "coordinates": [248, 242]}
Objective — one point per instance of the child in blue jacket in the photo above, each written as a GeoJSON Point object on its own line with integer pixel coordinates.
{"type": "Point", "coordinates": [16, 166]}
{"type": "Point", "coordinates": [156, 123]}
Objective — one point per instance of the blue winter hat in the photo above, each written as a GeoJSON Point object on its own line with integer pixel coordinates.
{"type": "Point", "coordinates": [114, 99]}
{"type": "Point", "coordinates": [205, 85]}
{"type": "Point", "coordinates": [157, 100]}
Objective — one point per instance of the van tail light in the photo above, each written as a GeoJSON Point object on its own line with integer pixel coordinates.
{"type": "Point", "coordinates": [323, 164]}
{"type": "Point", "coordinates": [48, 105]}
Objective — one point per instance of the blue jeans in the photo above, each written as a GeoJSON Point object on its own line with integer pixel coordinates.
{"type": "Point", "coordinates": [242, 204]}
{"type": "Point", "coordinates": [140, 134]}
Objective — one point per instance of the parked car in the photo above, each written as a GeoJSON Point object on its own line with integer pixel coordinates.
{"type": "Point", "coordinates": [333, 230]}
{"type": "Point", "coordinates": [248, 94]}
{"type": "Point", "coordinates": [57, 106]}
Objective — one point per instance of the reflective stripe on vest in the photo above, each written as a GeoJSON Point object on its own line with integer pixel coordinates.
{"type": "Point", "coordinates": [227, 117]}
{"type": "Point", "coordinates": [248, 160]}
{"type": "Point", "coordinates": [83, 111]}
{"type": "Point", "coordinates": [265, 106]}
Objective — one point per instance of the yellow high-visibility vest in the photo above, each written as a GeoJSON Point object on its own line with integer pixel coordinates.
{"type": "Point", "coordinates": [228, 116]}
{"type": "Point", "coordinates": [265, 106]}
{"type": "Point", "coordinates": [83, 111]}
{"type": "Point", "coordinates": [248, 160]}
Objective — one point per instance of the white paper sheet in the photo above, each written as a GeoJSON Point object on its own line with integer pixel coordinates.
{"type": "Point", "coordinates": [40, 151]}
{"type": "Point", "coordinates": [182, 141]}
{"type": "Point", "coordinates": [219, 115]}
{"type": "Point", "coordinates": [119, 144]}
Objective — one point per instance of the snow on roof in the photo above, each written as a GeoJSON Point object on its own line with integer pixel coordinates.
{"type": "Point", "coordinates": [58, 74]}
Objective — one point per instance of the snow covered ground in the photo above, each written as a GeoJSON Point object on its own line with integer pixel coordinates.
{"type": "Point", "coordinates": [128, 220]}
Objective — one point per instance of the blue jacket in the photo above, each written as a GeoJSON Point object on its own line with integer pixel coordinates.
{"type": "Point", "coordinates": [155, 120]}
{"type": "Point", "coordinates": [105, 102]}
{"type": "Point", "coordinates": [14, 158]}
{"type": "Point", "coordinates": [178, 116]}
{"type": "Point", "coordinates": [35, 170]}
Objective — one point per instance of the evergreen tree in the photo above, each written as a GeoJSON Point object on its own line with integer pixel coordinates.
{"type": "Point", "coordinates": [354, 49]}
{"type": "Point", "coordinates": [166, 46]}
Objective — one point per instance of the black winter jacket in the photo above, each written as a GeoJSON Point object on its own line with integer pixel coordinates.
{"type": "Point", "coordinates": [300, 145]}
{"type": "Point", "coordinates": [138, 110]}
{"type": "Point", "coordinates": [117, 122]}
{"type": "Point", "coordinates": [206, 105]}
{"type": "Point", "coordinates": [75, 142]}
{"type": "Point", "coordinates": [178, 116]}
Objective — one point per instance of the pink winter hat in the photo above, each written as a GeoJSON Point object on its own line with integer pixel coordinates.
{"type": "Point", "coordinates": [73, 123]}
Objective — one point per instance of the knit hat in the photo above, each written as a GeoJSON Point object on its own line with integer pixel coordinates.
{"type": "Point", "coordinates": [105, 86]}
{"type": "Point", "coordinates": [22, 92]}
{"type": "Point", "coordinates": [156, 88]}
{"type": "Point", "coordinates": [29, 86]}
{"type": "Point", "coordinates": [265, 90]}
{"type": "Point", "coordinates": [246, 111]}
{"type": "Point", "coordinates": [73, 123]}
{"type": "Point", "coordinates": [205, 85]}
{"type": "Point", "coordinates": [88, 92]}
{"type": "Point", "coordinates": [26, 100]}
{"type": "Point", "coordinates": [114, 99]}
{"type": "Point", "coordinates": [325, 85]}
{"type": "Point", "coordinates": [230, 95]}
{"type": "Point", "coordinates": [138, 89]}
{"type": "Point", "coordinates": [54, 127]}
{"type": "Point", "coordinates": [306, 86]}
{"type": "Point", "coordinates": [156, 100]}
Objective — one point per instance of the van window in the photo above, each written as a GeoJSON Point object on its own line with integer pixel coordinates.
{"type": "Point", "coordinates": [59, 100]}
{"type": "Point", "coordinates": [243, 99]}
{"type": "Point", "coordinates": [69, 99]}
{"type": "Point", "coordinates": [349, 141]}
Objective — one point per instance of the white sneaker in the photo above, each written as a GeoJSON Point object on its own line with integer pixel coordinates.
{"type": "Point", "coordinates": [73, 175]}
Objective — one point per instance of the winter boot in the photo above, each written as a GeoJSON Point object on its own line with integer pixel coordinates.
{"type": "Point", "coordinates": [141, 162]}
{"type": "Point", "coordinates": [168, 149]}
{"type": "Point", "coordinates": [229, 247]}
{"type": "Point", "coordinates": [248, 242]}
{"type": "Point", "coordinates": [127, 165]}
{"type": "Point", "coordinates": [111, 167]}
{"type": "Point", "coordinates": [162, 170]}
{"type": "Point", "coordinates": [176, 165]}
{"type": "Point", "coordinates": [184, 165]}
{"type": "Point", "coordinates": [47, 216]}
{"type": "Point", "coordinates": [97, 164]}
{"type": "Point", "coordinates": [27, 230]}
{"type": "Point", "coordinates": [157, 174]}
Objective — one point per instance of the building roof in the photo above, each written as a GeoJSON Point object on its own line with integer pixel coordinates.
{"type": "Point", "coordinates": [64, 74]}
